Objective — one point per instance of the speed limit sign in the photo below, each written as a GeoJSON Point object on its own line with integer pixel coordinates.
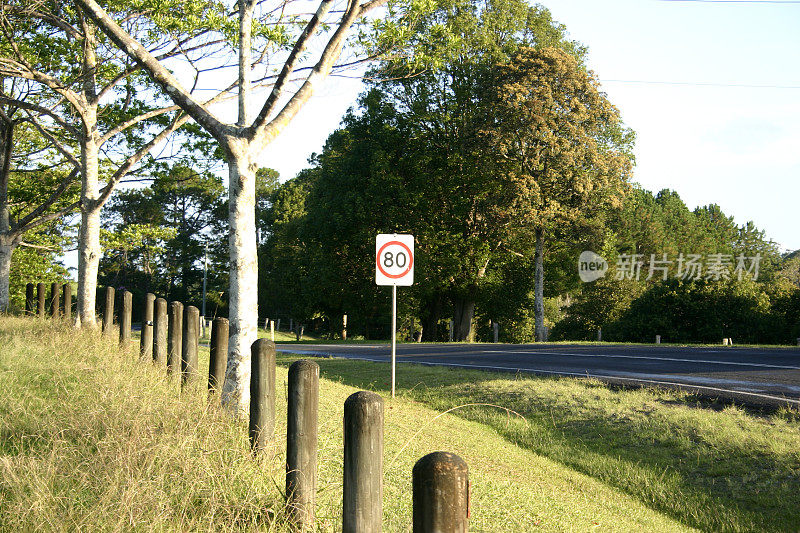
{"type": "Point", "coordinates": [394, 260]}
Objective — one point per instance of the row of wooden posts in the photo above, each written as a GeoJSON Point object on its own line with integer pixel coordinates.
{"type": "Point", "coordinates": [60, 301]}
{"type": "Point", "coordinates": [440, 486]}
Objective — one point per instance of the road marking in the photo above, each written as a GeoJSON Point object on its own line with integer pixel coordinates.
{"type": "Point", "coordinates": [650, 358]}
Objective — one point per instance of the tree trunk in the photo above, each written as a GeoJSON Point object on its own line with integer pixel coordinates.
{"type": "Point", "coordinates": [538, 290]}
{"type": "Point", "coordinates": [463, 313]}
{"type": "Point", "coordinates": [6, 249]}
{"type": "Point", "coordinates": [430, 319]}
{"type": "Point", "coordinates": [243, 297]}
{"type": "Point", "coordinates": [6, 238]}
{"type": "Point", "coordinates": [89, 234]}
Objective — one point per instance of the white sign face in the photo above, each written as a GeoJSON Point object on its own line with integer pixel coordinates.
{"type": "Point", "coordinates": [394, 259]}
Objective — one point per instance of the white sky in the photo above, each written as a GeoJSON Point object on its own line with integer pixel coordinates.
{"type": "Point", "coordinates": [700, 134]}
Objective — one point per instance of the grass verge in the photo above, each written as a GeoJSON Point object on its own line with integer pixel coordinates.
{"type": "Point", "coordinates": [93, 440]}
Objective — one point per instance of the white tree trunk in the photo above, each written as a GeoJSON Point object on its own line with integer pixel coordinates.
{"type": "Point", "coordinates": [243, 297]}
{"type": "Point", "coordinates": [6, 249]}
{"type": "Point", "coordinates": [88, 236]}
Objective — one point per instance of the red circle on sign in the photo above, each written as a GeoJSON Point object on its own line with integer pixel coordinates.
{"type": "Point", "coordinates": [410, 261]}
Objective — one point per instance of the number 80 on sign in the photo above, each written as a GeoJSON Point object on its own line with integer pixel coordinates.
{"type": "Point", "coordinates": [394, 259]}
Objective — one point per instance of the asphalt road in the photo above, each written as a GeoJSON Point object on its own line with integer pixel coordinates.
{"type": "Point", "coordinates": [756, 376]}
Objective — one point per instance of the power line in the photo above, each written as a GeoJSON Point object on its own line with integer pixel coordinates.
{"type": "Point", "coordinates": [703, 84]}
{"type": "Point", "coordinates": [737, 1]}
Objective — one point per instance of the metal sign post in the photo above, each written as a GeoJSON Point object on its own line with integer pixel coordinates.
{"type": "Point", "coordinates": [394, 265]}
{"type": "Point", "coordinates": [394, 334]}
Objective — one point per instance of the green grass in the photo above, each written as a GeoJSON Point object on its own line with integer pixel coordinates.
{"type": "Point", "coordinates": [717, 468]}
{"type": "Point", "coordinates": [93, 440]}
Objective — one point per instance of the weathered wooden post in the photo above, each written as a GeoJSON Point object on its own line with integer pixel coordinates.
{"type": "Point", "coordinates": [66, 296]}
{"type": "Point", "coordinates": [363, 463]}
{"type": "Point", "coordinates": [344, 327]}
{"type": "Point", "coordinates": [218, 354]}
{"type": "Point", "coordinates": [278, 324]}
{"type": "Point", "coordinates": [40, 300]}
{"type": "Point", "coordinates": [160, 333]}
{"type": "Point", "coordinates": [175, 338]}
{"type": "Point", "coordinates": [125, 313]}
{"type": "Point", "coordinates": [496, 332]}
{"type": "Point", "coordinates": [108, 312]}
{"type": "Point", "coordinates": [272, 330]}
{"type": "Point", "coordinates": [450, 327]}
{"type": "Point", "coordinates": [725, 342]}
{"type": "Point", "coordinates": [30, 307]}
{"type": "Point", "coordinates": [190, 346]}
{"type": "Point", "coordinates": [262, 394]}
{"type": "Point", "coordinates": [301, 443]}
{"type": "Point", "coordinates": [658, 339]}
{"type": "Point", "coordinates": [599, 334]}
{"type": "Point", "coordinates": [440, 494]}
{"type": "Point", "coordinates": [55, 300]}
{"type": "Point", "coordinates": [146, 340]}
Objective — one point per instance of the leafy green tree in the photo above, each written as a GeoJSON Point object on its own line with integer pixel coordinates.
{"type": "Point", "coordinates": [285, 259]}
{"type": "Point", "coordinates": [103, 115]}
{"type": "Point", "coordinates": [37, 189]}
{"type": "Point", "coordinates": [293, 51]}
{"type": "Point", "coordinates": [560, 146]}
{"type": "Point", "coordinates": [441, 88]}
{"type": "Point", "coordinates": [163, 232]}
{"type": "Point", "coordinates": [700, 311]}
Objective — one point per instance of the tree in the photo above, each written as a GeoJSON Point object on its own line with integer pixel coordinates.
{"type": "Point", "coordinates": [177, 219]}
{"type": "Point", "coordinates": [243, 141]}
{"type": "Point", "coordinates": [35, 190]}
{"type": "Point", "coordinates": [561, 148]}
{"type": "Point", "coordinates": [98, 98]}
{"type": "Point", "coordinates": [443, 93]}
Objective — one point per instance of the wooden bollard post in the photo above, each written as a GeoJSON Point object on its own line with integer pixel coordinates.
{"type": "Point", "coordinates": [599, 334]}
{"type": "Point", "coordinates": [175, 338]}
{"type": "Point", "coordinates": [272, 330]}
{"type": "Point", "coordinates": [344, 327]}
{"type": "Point", "coordinates": [146, 340]}
{"type": "Point", "coordinates": [658, 339]}
{"type": "Point", "coordinates": [301, 443]}
{"type": "Point", "coordinates": [66, 297]}
{"type": "Point", "coordinates": [30, 307]}
{"type": "Point", "coordinates": [108, 312]}
{"type": "Point", "coordinates": [363, 463]}
{"type": "Point", "coordinates": [262, 394]}
{"type": "Point", "coordinates": [218, 355]}
{"type": "Point", "coordinates": [496, 332]}
{"type": "Point", "coordinates": [125, 312]}
{"type": "Point", "coordinates": [450, 327]}
{"type": "Point", "coordinates": [160, 333]}
{"type": "Point", "coordinates": [190, 346]}
{"type": "Point", "coordinates": [725, 341]}
{"type": "Point", "coordinates": [55, 300]}
{"type": "Point", "coordinates": [40, 300]}
{"type": "Point", "coordinates": [440, 494]}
